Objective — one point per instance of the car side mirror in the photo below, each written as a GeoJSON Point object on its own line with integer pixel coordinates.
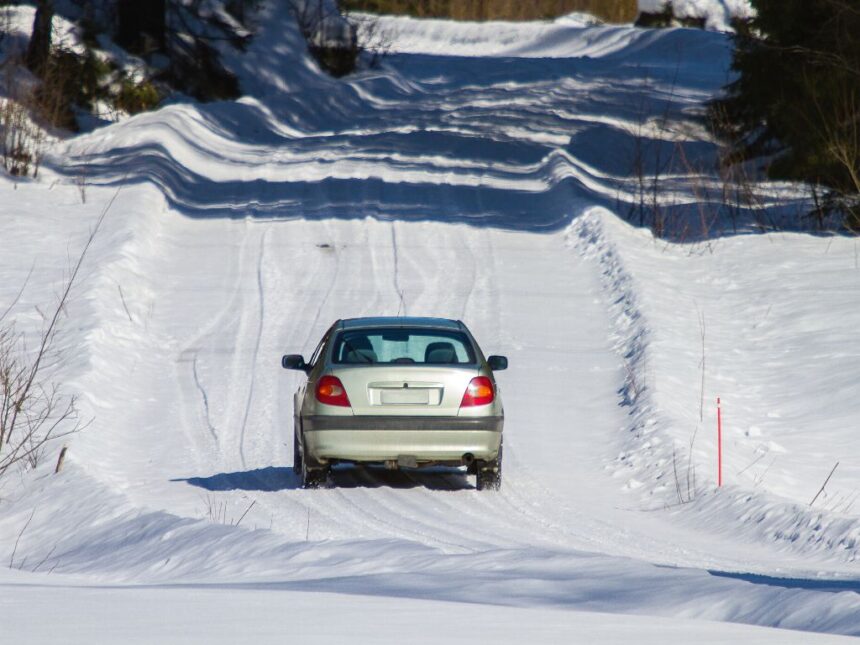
{"type": "Point", "coordinates": [294, 362]}
{"type": "Point", "coordinates": [497, 363]}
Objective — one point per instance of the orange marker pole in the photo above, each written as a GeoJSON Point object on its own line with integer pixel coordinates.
{"type": "Point", "coordinates": [719, 444]}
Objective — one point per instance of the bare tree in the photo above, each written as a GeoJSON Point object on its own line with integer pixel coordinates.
{"type": "Point", "coordinates": [21, 140]}
{"type": "Point", "coordinates": [841, 134]}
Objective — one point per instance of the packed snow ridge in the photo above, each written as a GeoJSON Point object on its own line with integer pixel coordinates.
{"type": "Point", "coordinates": [718, 14]}
{"type": "Point", "coordinates": [484, 172]}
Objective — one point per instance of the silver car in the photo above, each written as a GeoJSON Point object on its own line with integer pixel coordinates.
{"type": "Point", "coordinates": [400, 392]}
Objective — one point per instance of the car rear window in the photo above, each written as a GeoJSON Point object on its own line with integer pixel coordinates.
{"type": "Point", "coordinates": [403, 346]}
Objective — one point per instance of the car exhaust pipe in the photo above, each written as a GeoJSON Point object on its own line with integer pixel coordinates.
{"type": "Point", "coordinates": [468, 459]}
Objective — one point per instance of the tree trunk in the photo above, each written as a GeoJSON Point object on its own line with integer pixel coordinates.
{"type": "Point", "coordinates": [39, 48]}
{"type": "Point", "coordinates": [142, 25]}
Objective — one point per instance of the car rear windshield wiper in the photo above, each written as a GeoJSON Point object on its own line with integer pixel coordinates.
{"type": "Point", "coordinates": [364, 357]}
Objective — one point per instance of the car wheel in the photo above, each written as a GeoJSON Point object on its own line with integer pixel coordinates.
{"type": "Point", "coordinates": [489, 475]}
{"type": "Point", "coordinates": [310, 477]}
{"type": "Point", "coordinates": [297, 455]}
{"type": "Point", "coordinates": [314, 477]}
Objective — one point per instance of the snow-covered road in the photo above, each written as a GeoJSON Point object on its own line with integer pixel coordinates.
{"type": "Point", "coordinates": [475, 188]}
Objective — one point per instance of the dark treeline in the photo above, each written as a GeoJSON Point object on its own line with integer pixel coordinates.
{"type": "Point", "coordinates": [177, 39]}
{"type": "Point", "coordinates": [796, 101]}
{"type": "Point", "coordinates": [609, 10]}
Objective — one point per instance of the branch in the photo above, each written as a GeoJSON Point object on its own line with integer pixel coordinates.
{"type": "Point", "coordinates": [821, 490]}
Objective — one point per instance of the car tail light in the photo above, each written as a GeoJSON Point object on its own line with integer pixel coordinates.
{"type": "Point", "coordinates": [479, 392]}
{"type": "Point", "coordinates": [331, 392]}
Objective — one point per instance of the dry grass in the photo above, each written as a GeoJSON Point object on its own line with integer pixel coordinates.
{"type": "Point", "coordinates": [609, 10]}
{"type": "Point", "coordinates": [21, 140]}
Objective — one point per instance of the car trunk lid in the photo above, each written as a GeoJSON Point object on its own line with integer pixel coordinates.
{"type": "Point", "coordinates": [418, 390]}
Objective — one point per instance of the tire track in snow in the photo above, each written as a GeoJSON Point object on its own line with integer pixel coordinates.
{"type": "Point", "coordinates": [402, 306]}
{"type": "Point", "coordinates": [473, 277]}
{"type": "Point", "coordinates": [300, 313]}
{"type": "Point", "coordinates": [481, 522]}
{"type": "Point", "coordinates": [510, 507]}
{"type": "Point", "coordinates": [194, 347]}
{"type": "Point", "coordinates": [262, 312]}
{"type": "Point", "coordinates": [524, 495]}
{"type": "Point", "coordinates": [394, 509]}
{"type": "Point", "coordinates": [382, 510]}
{"type": "Point", "coordinates": [506, 512]}
{"type": "Point", "coordinates": [345, 279]}
{"type": "Point", "coordinates": [373, 510]}
{"type": "Point", "coordinates": [205, 398]}
{"type": "Point", "coordinates": [326, 296]}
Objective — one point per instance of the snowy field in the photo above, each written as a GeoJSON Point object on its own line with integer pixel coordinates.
{"type": "Point", "coordinates": [485, 187]}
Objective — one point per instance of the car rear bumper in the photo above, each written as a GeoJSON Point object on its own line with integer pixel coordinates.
{"type": "Point", "coordinates": [427, 440]}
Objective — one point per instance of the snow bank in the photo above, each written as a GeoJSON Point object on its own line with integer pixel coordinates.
{"type": "Point", "coordinates": [695, 323]}
{"type": "Point", "coordinates": [37, 608]}
{"type": "Point", "coordinates": [718, 14]}
{"type": "Point", "coordinates": [565, 37]}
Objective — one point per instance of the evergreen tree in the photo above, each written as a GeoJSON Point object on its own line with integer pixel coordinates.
{"type": "Point", "coordinates": [797, 96]}
{"type": "Point", "coordinates": [141, 25]}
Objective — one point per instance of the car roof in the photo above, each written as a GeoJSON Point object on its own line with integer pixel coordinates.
{"type": "Point", "coordinates": [400, 321]}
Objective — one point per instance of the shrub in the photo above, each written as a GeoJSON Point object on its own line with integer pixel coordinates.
{"type": "Point", "coordinates": [21, 140]}
{"type": "Point", "coordinates": [136, 97]}
{"type": "Point", "coordinates": [71, 80]}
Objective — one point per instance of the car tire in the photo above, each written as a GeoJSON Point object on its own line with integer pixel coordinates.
{"type": "Point", "coordinates": [310, 477]}
{"type": "Point", "coordinates": [489, 474]}
{"type": "Point", "coordinates": [314, 477]}
{"type": "Point", "coordinates": [297, 454]}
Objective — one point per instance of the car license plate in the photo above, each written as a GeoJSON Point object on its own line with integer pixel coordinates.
{"type": "Point", "coordinates": [405, 396]}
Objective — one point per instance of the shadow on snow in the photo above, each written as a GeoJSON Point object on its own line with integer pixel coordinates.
{"type": "Point", "coordinates": [272, 479]}
{"type": "Point", "coordinates": [512, 143]}
{"type": "Point", "coordinates": [811, 584]}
